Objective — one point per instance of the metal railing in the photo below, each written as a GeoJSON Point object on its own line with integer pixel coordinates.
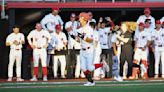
{"type": "Point", "coordinates": [83, 0]}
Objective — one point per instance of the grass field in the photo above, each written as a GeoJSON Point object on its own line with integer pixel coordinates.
{"type": "Point", "coordinates": [101, 86]}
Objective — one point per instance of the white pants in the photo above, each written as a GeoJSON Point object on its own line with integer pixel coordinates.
{"type": "Point", "coordinates": [159, 54]}
{"type": "Point", "coordinates": [62, 59]}
{"type": "Point", "coordinates": [86, 60]}
{"type": "Point", "coordinates": [96, 60]}
{"type": "Point", "coordinates": [40, 54]}
{"type": "Point", "coordinates": [15, 55]}
{"type": "Point", "coordinates": [140, 55]}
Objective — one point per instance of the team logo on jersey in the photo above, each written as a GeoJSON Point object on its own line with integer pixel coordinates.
{"type": "Point", "coordinates": [105, 33]}
{"type": "Point", "coordinates": [36, 39]}
{"type": "Point", "coordinates": [43, 36]}
{"type": "Point", "coordinates": [156, 38]}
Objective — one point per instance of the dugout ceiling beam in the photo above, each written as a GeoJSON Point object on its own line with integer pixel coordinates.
{"type": "Point", "coordinates": [85, 5]}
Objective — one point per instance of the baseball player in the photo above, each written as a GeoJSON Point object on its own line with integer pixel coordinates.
{"type": "Point", "coordinates": [97, 51]}
{"type": "Point", "coordinates": [147, 15]}
{"type": "Point", "coordinates": [91, 18]}
{"type": "Point", "coordinates": [51, 20]}
{"type": "Point", "coordinates": [85, 34]}
{"type": "Point", "coordinates": [38, 40]}
{"type": "Point", "coordinates": [15, 41]}
{"type": "Point", "coordinates": [105, 39]}
{"type": "Point", "coordinates": [158, 40]}
{"type": "Point", "coordinates": [60, 45]}
{"type": "Point", "coordinates": [71, 27]}
{"type": "Point", "coordinates": [142, 40]}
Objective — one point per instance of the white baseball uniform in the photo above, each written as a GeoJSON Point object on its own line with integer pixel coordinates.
{"type": "Point", "coordinates": [61, 39]}
{"type": "Point", "coordinates": [103, 35]}
{"type": "Point", "coordinates": [73, 44]}
{"type": "Point", "coordinates": [97, 52]}
{"type": "Point", "coordinates": [158, 39]}
{"type": "Point", "coordinates": [141, 39]}
{"type": "Point", "coordinates": [50, 21]}
{"type": "Point", "coordinates": [86, 52]}
{"type": "Point", "coordinates": [142, 19]}
{"type": "Point", "coordinates": [39, 39]}
{"type": "Point", "coordinates": [15, 53]}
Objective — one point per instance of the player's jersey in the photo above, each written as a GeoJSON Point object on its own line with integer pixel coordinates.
{"type": "Point", "coordinates": [60, 39]}
{"type": "Point", "coordinates": [88, 32]}
{"type": "Point", "coordinates": [39, 38]}
{"type": "Point", "coordinates": [149, 30]}
{"type": "Point", "coordinates": [18, 37]}
{"type": "Point", "coordinates": [50, 21]}
{"type": "Point", "coordinates": [162, 19]}
{"type": "Point", "coordinates": [142, 19]}
{"type": "Point", "coordinates": [141, 38]}
{"type": "Point", "coordinates": [97, 40]}
{"type": "Point", "coordinates": [158, 37]}
{"type": "Point", "coordinates": [72, 43]}
{"type": "Point", "coordinates": [103, 35]}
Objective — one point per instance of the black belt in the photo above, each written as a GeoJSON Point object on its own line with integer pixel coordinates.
{"type": "Point", "coordinates": [140, 47]}
{"type": "Point", "coordinates": [104, 44]}
{"type": "Point", "coordinates": [17, 49]}
{"type": "Point", "coordinates": [86, 48]}
{"type": "Point", "coordinates": [39, 47]}
{"type": "Point", "coordinates": [160, 45]}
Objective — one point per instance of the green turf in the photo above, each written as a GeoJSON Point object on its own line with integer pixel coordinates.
{"type": "Point", "coordinates": [77, 87]}
{"type": "Point", "coordinates": [152, 88]}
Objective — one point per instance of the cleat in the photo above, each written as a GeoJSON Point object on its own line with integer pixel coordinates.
{"type": "Point", "coordinates": [118, 78]}
{"type": "Point", "coordinates": [9, 79]}
{"type": "Point", "coordinates": [20, 79]}
{"type": "Point", "coordinates": [34, 79]}
{"type": "Point", "coordinates": [89, 84]}
{"type": "Point", "coordinates": [45, 78]}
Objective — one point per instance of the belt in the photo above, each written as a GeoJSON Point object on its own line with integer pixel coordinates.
{"type": "Point", "coordinates": [86, 48]}
{"type": "Point", "coordinates": [104, 44]}
{"type": "Point", "coordinates": [16, 49]}
{"type": "Point", "coordinates": [39, 47]}
{"type": "Point", "coordinates": [139, 47]}
{"type": "Point", "coordinates": [160, 45]}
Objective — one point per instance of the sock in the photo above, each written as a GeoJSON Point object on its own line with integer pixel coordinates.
{"type": "Point", "coordinates": [35, 71]}
{"type": "Point", "coordinates": [86, 72]}
{"type": "Point", "coordinates": [44, 70]}
{"type": "Point", "coordinates": [98, 65]}
{"type": "Point", "coordinates": [88, 76]}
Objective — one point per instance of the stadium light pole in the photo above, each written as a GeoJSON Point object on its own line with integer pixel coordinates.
{"type": "Point", "coordinates": [3, 16]}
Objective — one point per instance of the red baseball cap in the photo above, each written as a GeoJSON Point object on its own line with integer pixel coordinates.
{"type": "Point", "coordinates": [157, 22]}
{"type": "Point", "coordinates": [55, 8]}
{"type": "Point", "coordinates": [57, 27]}
{"type": "Point", "coordinates": [142, 24]}
{"type": "Point", "coordinates": [163, 23]}
{"type": "Point", "coordinates": [147, 10]}
{"type": "Point", "coordinates": [85, 15]}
